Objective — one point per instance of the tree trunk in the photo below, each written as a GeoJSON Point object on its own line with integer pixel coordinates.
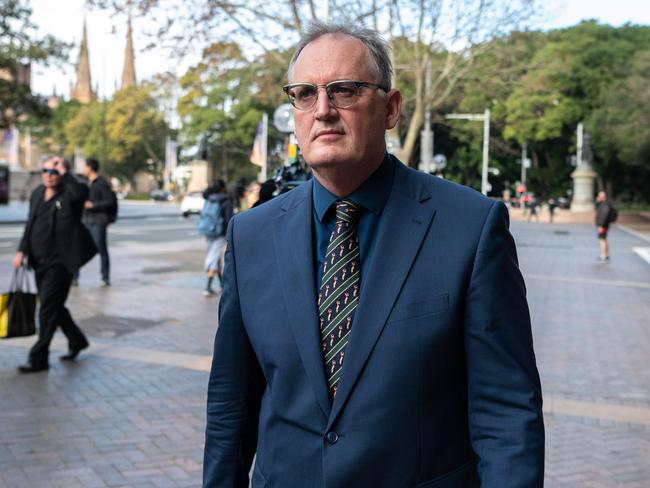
{"type": "Point", "coordinates": [417, 118]}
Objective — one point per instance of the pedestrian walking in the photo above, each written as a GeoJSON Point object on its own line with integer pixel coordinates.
{"type": "Point", "coordinates": [533, 206]}
{"type": "Point", "coordinates": [55, 244]}
{"type": "Point", "coordinates": [213, 221]}
{"type": "Point", "coordinates": [605, 215]}
{"type": "Point", "coordinates": [99, 211]}
{"type": "Point", "coordinates": [373, 324]}
{"type": "Point", "coordinates": [552, 206]}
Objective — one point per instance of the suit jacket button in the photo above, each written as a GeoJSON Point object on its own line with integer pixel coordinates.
{"type": "Point", "coordinates": [332, 437]}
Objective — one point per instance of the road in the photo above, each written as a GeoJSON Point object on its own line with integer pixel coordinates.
{"type": "Point", "coordinates": [153, 229]}
{"type": "Point", "coordinates": [131, 410]}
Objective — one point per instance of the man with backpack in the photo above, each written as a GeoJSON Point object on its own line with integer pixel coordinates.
{"type": "Point", "coordinates": [605, 215]}
{"type": "Point", "coordinates": [213, 221]}
{"type": "Point", "coordinates": [100, 210]}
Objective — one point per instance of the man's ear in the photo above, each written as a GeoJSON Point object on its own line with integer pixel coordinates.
{"type": "Point", "coordinates": [393, 108]}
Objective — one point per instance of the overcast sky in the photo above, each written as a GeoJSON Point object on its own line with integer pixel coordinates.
{"type": "Point", "coordinates": [107, 37]}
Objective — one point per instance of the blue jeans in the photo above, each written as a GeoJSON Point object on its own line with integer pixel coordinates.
{"type": "Point", "coordinates": [98, 231]}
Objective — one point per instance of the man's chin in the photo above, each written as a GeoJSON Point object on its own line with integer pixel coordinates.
{"type": "Point", "coordinates": [327, 159]}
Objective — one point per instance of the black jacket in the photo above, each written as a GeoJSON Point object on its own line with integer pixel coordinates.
{"type": "Point", "coordinates": [604, 214]}
{"type": "Point", "coordinates": [73, 243]}
{"type": "Point", "coordinates": [103, 200]}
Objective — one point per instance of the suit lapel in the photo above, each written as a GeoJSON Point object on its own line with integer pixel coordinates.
{"type": "Point", "coordinates": [404, 223]}
{"type": "Point", "coordinates": [294, 252]}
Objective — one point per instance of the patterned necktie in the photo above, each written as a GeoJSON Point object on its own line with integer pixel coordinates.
{"type": "Point", "coordinates": [339, 290]}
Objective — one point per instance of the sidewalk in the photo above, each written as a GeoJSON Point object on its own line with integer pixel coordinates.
{"type": "Point", "coordinates": [637, 223]}
{"type": "Point", "coordinates": [131, 411]}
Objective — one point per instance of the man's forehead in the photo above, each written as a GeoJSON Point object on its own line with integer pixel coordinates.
{"type": "Point", "coordinates": [333, 51]}
{"type": "Point", "coordinates": [334, 43]}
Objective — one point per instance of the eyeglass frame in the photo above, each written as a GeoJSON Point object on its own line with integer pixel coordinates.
{"type": "Point", "coordinates": [358, 86]}
{"type": "Point", "coordinates": [51, 171]}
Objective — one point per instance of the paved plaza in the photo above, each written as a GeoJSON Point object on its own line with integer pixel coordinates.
{"type": "Point", "coordinates": [131, 411]}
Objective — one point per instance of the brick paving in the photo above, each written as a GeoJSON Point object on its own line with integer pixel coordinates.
{"type": "Point", "coordinates": [131, 411]}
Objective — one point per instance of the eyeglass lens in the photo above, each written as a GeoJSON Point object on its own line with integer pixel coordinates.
{"type": "Point", "coordinates": [50, 171]}
{"type": "Point", "coordinates": [341, 94]}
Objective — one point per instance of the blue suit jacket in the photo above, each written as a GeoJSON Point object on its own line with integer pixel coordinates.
{"type": "Point", "coordinates": [440, 387]}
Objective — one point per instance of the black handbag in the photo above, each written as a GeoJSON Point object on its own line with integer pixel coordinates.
{"type": "Point", "coordinates": [18, 307]}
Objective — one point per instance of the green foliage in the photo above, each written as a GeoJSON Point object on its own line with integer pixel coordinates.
{"type": "Point", "coordinates": [51, 135]}
{"type": "Point", "coordinates": [223, 99]}
{"type": "Point", "coordinates": [566, 79]}
{"type": "Point", "coordinates": [19, 48]}
{"type": "Point", "coordinates": [621, 129]}
{"type": "Point", "coordinates": [126, 133]}
{"type": "Point", "coordinates": [539, 86]}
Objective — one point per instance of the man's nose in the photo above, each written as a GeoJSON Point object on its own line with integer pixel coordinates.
{"type": "Point", "coordinates": [324, 108]}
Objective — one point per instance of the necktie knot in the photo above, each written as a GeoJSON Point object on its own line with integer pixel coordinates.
{"type": "Point", "coordinates": [347, 211]}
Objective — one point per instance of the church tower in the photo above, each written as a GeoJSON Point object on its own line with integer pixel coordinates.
{"type": "Point", "coordinates": [82, 89]}
{"type": "Point", "coordinates": [128, 72]}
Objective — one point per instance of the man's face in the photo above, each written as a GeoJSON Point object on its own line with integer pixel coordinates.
{"type": "Point", "coordinates": [50, 175]}
{"type": "Point", "coordinates": [351, 139]}
{"type": "Point", "coordinates": [86, 170]}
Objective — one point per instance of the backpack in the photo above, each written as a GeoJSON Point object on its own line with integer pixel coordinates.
{"type": "Point", "coordinates": [112, 211]}
{"type": "Point", "coordinates": [210, 222]}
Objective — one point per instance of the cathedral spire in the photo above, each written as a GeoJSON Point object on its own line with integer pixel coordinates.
{"type": "Point", "coordinates": [128, 72]}
{"type": "Point", "coordinates": [83, 90]}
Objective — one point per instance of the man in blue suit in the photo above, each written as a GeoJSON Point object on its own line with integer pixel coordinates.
{"type": "Point", "coordinates": [373, 327]}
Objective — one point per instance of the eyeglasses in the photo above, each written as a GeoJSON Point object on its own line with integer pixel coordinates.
{"type": "Point", "coordinates": [51, 171]}
{"type": "Point", "coordinates": [341, 93]}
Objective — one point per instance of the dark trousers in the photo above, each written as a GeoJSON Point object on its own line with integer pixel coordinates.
{"type": "Point", "coordinates": [53, 281]}
{"type": "Point", "coordinates": [98, 231]}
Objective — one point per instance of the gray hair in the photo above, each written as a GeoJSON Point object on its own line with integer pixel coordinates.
{"type": "Point", "coordinates": [377, 48]}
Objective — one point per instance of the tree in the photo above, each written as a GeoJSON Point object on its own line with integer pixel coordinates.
{"type": "Point", "coordinates": [445, 35]}
{"type": "Point", "coordinates": [126, 133]}
{"type": "Point", "coordinates": [573, 75]}
{"type": "Point", "coordinates": [495, 75]}
{"type": "Point", "coordinates": [50, 132]}
{"type": "Point", "coordinates": [223, 99]}
{"type": "Point", "coordinates": [19, 47]}
{"type": "Point", "coordinates": [621, 129]}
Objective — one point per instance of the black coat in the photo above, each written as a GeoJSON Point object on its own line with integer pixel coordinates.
{"type": "Point", "coordinates": [604, 214]}
{"type": "Point", "coordinates": [73, 243]}
{"type": "Point", "coordinates": [103, 201]}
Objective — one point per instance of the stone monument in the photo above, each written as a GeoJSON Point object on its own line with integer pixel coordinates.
{"type": "Point", "coordinates": [584, 176]}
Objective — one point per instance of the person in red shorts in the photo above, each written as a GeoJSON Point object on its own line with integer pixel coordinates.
{"type": "Point", "coordinates": [605, 215]}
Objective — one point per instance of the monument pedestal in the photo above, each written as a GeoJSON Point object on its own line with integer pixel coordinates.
{"type": "Point", "coordinates": [584, 179]}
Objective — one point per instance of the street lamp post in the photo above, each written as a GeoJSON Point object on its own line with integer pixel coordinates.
{"type": "Point", "coordinates": [524, 162]}
{"type": "Point", "coordinates": [485, 118]}
{"type": "Point", "coordinates": [426, 135]}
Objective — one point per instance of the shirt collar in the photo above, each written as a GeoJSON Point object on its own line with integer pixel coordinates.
{"type": "Point", "coordinates": [371, 195]}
